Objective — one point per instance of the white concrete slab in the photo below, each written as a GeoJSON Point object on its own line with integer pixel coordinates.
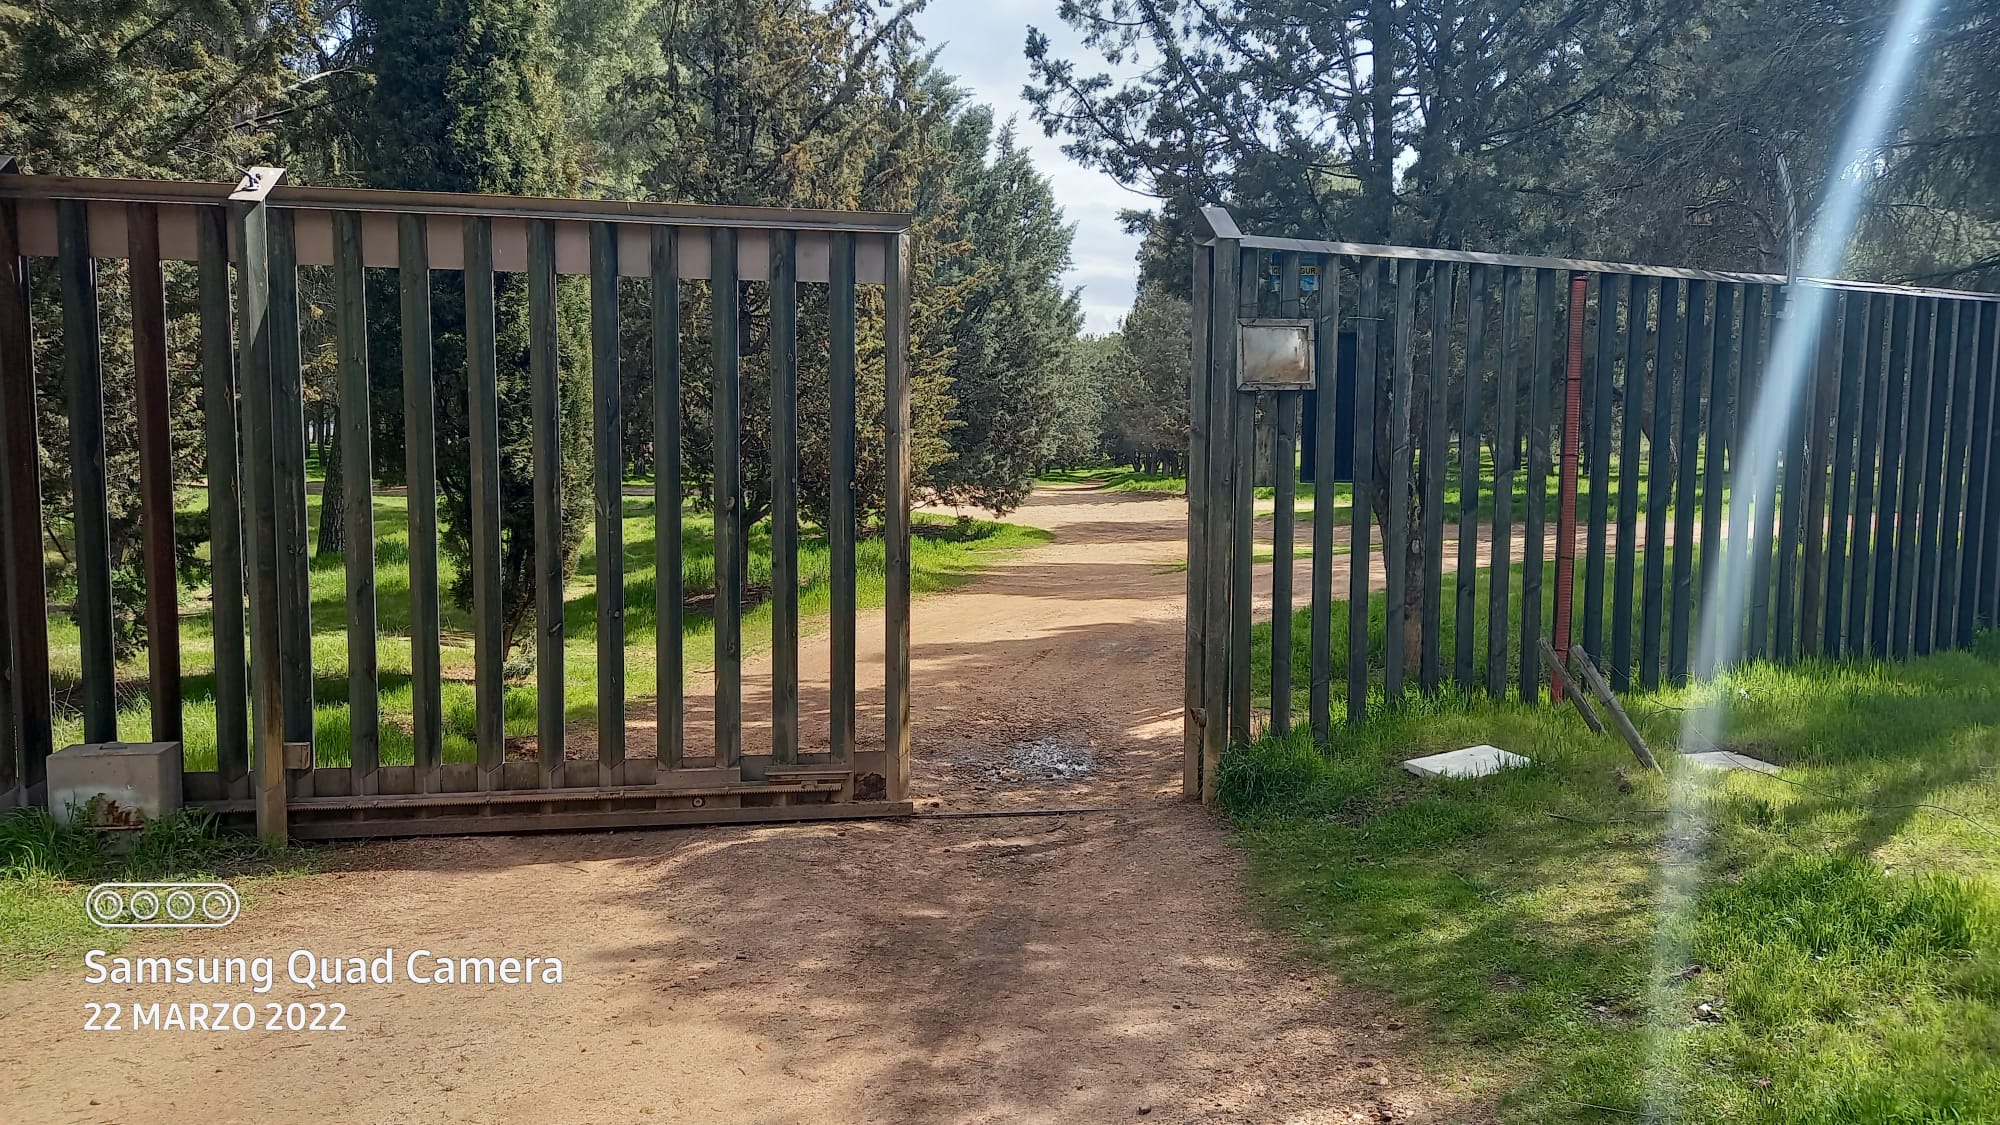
{"type": "Point", "coordinates": [1729, 760]}
{"type": "Point", "coordinates": [1473, 761]}
{"type": "Point", "coordinates": [130, 782]}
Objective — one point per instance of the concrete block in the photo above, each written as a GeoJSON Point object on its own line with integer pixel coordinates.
{"type": "Point", "coordinates": [1473, 761]}
{"type": "Point", "coordinates": [135, 781]}
{"type": "Point", "coordinates": [1729, 760]}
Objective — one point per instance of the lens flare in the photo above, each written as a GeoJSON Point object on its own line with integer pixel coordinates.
{"type": "Point", "coordinates": [1801, 319]}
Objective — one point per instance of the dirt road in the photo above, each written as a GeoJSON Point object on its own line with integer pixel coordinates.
{"type": "Point", "coordinates": [1083, 968]}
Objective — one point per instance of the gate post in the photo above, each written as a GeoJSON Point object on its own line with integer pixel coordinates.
{"type": "Point", "coordinates": [896, 546]}
{"type": "Point", "coordinates": [249, 215]}
{"type": "Point", "coordinates": [25, 747]}
{"type": "Point", "coordinates": [1212, 537]}
{"type": "Point", "coordinates": [1193, 712]}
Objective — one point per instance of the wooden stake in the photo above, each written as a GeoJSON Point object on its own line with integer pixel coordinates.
{"type": "Point", "coordinates": [1566, 689]}
{"type": "Point", "coordinates": [1587, 668]}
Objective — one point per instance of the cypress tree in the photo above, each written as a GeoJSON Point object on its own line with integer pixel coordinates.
{"type": "Point", "coordinates": [459, 103]}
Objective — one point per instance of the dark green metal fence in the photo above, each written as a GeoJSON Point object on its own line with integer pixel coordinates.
{"type": "Point", "coordinates": [1875, 538]}
{"type": "Point", "coordinates": [248, 244]}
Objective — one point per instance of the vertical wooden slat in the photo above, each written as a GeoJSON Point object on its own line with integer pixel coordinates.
{"type": "Point", "coordinates": [608, 428]}
{"type": "Point", "coordinates": [483, 428]}
{"type": "Point", "coordinates": [420, 474]}
{"type": "Point", "coordinates": [670, 594]}
{"type": "Point", "coordinates": [1242, 407]}
{"type": "Point", "coordinates": [1564, 624]}
{"type": "Point", "coordinates": [1945, 628]}
{"type": "Point", "coordinates": [1284, 478]}
{"type": "Point", "coordinates": [1436, 465]}
{"type": "Point", "coordinates": [288, 462]}
{"type": "Point", "coordinates": [1538, 470]}
{"type": "Point", "coordinates": [1881, 620]}
{"type": "Point", "coordinates": [1194, 656]}
{"type": "Point", "coordinates": [1989, 593]}
{"type": "Point", "coordinates": [1716, 455]}
{"type": "Point", "coordinates": [1507, 389]}
{"type": "Point", "coordinates": [1658, 488]}
{"type": "Point", "coordinates": [1599, 446]}
{"type": "Point", "coordinates": [251, 234]}
{"type": "Point", "coordinates": [1916, 438]}
{"type": "Point", "coordinates": [83, 389]}
{"type": "Point", "coordinates": [1470, 423]}
{"type": "Point", "coordinates": [1764, 503]}
{"type": "Point", "coordinates": [1791, 510]}
{"type": "Point", "coordinates": [1700, 341]}
{"type": "Point", "coordinates": [16, 365]}
{"type": "Point", "coordinates": [840, 483]}
{"type": "Point", "coordinates": [1747, 540]}
{"type": "Point", "coordinates": [546, 421]}
{"type": "Point", "coordinates": [896, 411]}
{"type": "Point", "coordinates": [1853, 327]}
{"type": "Point", "coordinates": [27, 621]}
{"type": "Point", "coordinates": [350, 308]}
{"type": "Point", "coordinates": [1624, 572]}
{"type": "Point", "coordinates": [1326, 334]}
{"type": "Point", "coordinates": [1989, 581]}
{"type": "Point", "coordinates": [785, 497]}
{"type": "Point", "coordinates": [1868, 441]}
{"type": "Point", "coordinates": [1395, 532]}
{"type": "Point", "coordinates": [1971, 609]}
{"type": "Point", "coordinates": [156, 472]}
{"type": "Point", "coordinates": [1930, 485]}
{"type": "Point", "coordinates": [225, 499]}
{"type": "Point", "coordinates": [1823, 389]}
{"type": "Point", "coordinates": [1364, 489]}
{"type": "Point", "coordinates": [726, 341]}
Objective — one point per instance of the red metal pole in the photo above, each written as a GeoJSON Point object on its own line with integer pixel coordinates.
{"type": "Point", "coordinates": [1566, 503]}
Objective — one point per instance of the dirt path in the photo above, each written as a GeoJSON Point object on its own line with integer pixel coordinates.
{"type": "Point", "coordinates": [1083, 968]}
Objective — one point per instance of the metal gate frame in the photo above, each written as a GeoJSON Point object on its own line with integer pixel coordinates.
{"type": "Point", "coordinates": [1845, 559]}
{"type": "Point", "coordinates": [253, 388]}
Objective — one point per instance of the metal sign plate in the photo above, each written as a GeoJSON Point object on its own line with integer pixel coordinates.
{"type": "Point", "coordinates": [1275, 355]}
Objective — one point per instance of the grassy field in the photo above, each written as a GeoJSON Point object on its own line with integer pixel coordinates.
{"type": "Point", "coordinates": [45, 869]}
{"type": "Point", "coordinates": [1843, 926]}
{"type": "Point", "coordinates": [944, 553]}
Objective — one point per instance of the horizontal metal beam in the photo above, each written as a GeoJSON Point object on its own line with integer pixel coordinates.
{"type": "Point", "coordinates": [1587, 265]}
{"type": "Point", "coordinates": [314, 237]}
{"type": "Point", "coordinates": [456, 203]}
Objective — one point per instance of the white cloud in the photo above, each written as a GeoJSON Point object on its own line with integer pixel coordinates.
{"type": "Point", "coordinates": [981, 41]}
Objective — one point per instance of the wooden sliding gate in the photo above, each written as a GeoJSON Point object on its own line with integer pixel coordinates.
{"type": "Point", "coordinates": [1486, 397]}
{"type": "Point", "coordinates": [247, 244]}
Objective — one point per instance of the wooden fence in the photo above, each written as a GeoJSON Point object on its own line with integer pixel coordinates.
{"type": "Point", "coordinates": [1875, 538]}
{"type": "Point", "coordinates": [252, 394]}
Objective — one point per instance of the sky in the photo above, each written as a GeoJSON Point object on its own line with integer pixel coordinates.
{"type": "Point", "coordinates": [981, 42]}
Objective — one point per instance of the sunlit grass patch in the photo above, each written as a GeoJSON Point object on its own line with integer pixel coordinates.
{"type": "Point", "coordinates": [1845, 933]}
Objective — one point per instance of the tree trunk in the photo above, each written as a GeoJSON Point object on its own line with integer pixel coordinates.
{"type": "Point", "coordinates": [332, 502]}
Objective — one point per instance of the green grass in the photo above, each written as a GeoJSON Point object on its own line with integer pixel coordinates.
{"type": "Point", "coordinates": [1120, 478]}
{"type": "Point", "coordinates": [944, 553]}
{"type": "Point", "coordinates": [1847, 935]}
{"type": "Point", "coordinates": [46, 868]}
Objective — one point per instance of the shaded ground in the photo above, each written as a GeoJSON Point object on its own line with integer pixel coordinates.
{"type": "Point", "coordinates": [1087, 967]}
